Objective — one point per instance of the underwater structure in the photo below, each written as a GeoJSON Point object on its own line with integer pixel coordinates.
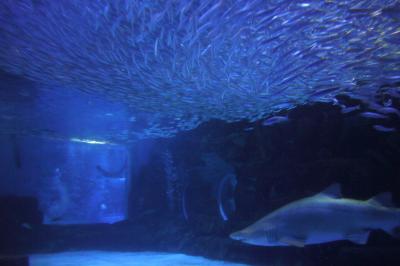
{"type": "Point", "coordinates": [162, 132]}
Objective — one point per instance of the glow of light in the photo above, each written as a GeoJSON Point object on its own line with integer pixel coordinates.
{"type": "Point", "coordinates": [88, 141]}
{"type": "Point", "coordinates": [108, 258]}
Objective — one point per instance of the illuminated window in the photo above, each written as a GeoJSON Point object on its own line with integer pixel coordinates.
{"type": "Point", "coordinates": [75, 182]}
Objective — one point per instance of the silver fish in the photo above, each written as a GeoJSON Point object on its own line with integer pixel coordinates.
{"type": "Point", "coordinates": [383, 128]}
{"type": "Point", "coordinates": [350, 109]}
{"type": "Point", "coordinates": [373, 115]}
{"type": "Point", "coordinates": [147, 54]}
{"type": "Point", "coordinates": [275, 120]}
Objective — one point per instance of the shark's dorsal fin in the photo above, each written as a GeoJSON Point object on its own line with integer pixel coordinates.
{"type": "Point", "coordinates": [332, 191]}
{"type": "Point", "coordinates": [384, 199]}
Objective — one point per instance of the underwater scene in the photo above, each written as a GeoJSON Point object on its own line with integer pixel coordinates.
{"type": "Point", "coordinates": [199, 132]}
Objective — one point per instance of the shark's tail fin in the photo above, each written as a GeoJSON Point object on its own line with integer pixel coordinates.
{"type": "Point", "coordinates": [385, 199]}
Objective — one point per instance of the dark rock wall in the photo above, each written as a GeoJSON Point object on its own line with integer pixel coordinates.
{"type": "Point", "coordinates": [276, 165]}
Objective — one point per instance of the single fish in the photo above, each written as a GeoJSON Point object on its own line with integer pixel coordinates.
{"type": "Point", "coordinates": [324, 217]}
{"type": "Point", "coordinates": [373, 115]}
{"type": "Point", "coordinates": [389, 110]}
{"type": "Point", "coordinates": [156, 48]}
{"type": "Point", "coordinates": [350, 109]}
{"type": "Point", "coordinates": [383, 128]}
{"type": "Point", "coordinates": [248, 129]}
{"type": "Point", "coordinates": [275, 120]}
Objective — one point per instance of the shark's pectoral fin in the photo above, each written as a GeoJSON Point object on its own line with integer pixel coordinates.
{"type": "Point", "coordinates": [293, 241]}
{"type": "Point", "coordinates": [359, 237]}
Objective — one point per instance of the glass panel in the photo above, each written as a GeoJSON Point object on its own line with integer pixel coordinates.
{"type": "Point", "coordinates": [74, 182]}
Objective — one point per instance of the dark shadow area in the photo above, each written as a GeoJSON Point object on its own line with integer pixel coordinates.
{"type": "Point", "coordinates": [174, 197]}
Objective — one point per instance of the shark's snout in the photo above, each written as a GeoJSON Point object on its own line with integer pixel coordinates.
{"type": "Point", "coordinates": [237, 236]}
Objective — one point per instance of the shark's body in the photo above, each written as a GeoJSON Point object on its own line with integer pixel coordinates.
{"type": "Point", "coordinates": [324, 217]}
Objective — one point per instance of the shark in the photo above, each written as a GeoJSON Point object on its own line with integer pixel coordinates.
{"type": "Point", "coordinates": [321, 218]}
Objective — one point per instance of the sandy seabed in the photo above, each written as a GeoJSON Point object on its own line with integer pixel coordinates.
{"type": "Point", "coordinates": [106, 258]}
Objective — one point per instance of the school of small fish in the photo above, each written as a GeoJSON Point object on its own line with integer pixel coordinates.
{"type": "Point", "coordinates": [184, 62]}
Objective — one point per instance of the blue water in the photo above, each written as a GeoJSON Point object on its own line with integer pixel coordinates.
{"type": "Point", "coordinates": [167, 125]}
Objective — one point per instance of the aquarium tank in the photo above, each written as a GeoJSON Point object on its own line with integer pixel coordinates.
{"type": "Point", "coordinates": [199, 132]}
